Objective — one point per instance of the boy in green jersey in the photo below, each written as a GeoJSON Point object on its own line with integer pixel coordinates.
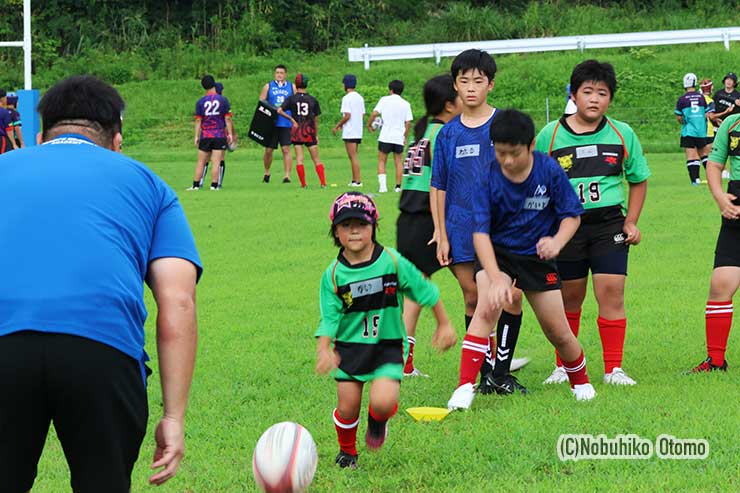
{"type": "Point", "coordinates": [361, 337]}
{"type": "Point", "coordinates": [598, 154]}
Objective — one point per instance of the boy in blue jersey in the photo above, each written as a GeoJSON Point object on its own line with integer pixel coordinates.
{"type": "Point", "coordinates": [11, 104]}
{"type": "Point", "coordinates": [691, 112]}
{"type": "Point", "coordinates": [276, 92]}
{"type": "Point", "coordinates": [524, 214]}
{"type": "Point", "coordinates": [7, 143]}
{"type": "Point", "coordinates": [461, 163]}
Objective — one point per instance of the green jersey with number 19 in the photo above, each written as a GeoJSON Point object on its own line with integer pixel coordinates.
{"type": "Point", "coordinates": [596, 161]}
{"type": "Point", "coordinates": [361, 311]}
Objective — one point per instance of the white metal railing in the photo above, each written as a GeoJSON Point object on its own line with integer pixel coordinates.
{"type": "Point", "coordinates": [592, 41]}
{"type": "Point", "coordinates": [25, 44]}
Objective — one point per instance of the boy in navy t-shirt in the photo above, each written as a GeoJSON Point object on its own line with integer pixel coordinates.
{"type": "Point", "coordinates": [525, 214]}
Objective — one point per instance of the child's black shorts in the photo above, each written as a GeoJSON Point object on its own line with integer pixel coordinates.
{"type": "Point", "coordinates": [529, 271]}
{"type": "Point", "coordinates": [413, 232]}
{"type": "Point", "coordinates": [214, 144]}
{"type": "Point", "coordinates": [95, 396]}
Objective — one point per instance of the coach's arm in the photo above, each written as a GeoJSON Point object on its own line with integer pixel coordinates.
{"type": "Point", "coordinates": [172, 281]}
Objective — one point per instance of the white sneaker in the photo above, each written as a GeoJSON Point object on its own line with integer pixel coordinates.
{"type": "Point", "coordinates": [382, 190]}
{"type": "Point", "coordinates": [354, 184]}
{"type": "Point", "coordinates": [584, 392]}
{"type": "Point", "coordinates": [725, 174]}
{"type": "Point", "coordinates": [190, 189]}
{"type": "Point", "coordinates": [215, 188]}
{"type": "Point", "coordinates": [415, 373]}
{"type": "Point", "coordinates": [397, 189]}
{"type": "Point", "coordinates": [557, 376]}
{"type": "Point", "coordinates": [618, 377]}
{"type": "Point", "coordinates": [462, 397]}
{"type": "Point", "coordinates": [518, 363]}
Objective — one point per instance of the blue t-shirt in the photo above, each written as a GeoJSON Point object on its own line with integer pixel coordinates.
{"type": "Point", "coordinates": [80, 225]}
{"type": "Point", "coordinates": [693, 108]}
{"type": "Point", "coordinates": [517, 215]}
{"type": "Point", "coordinates": [276, 96]}
{"type": "Point", "coordinates": [461, 163]}
{"type": "Point", "coordinates": [6, 121]}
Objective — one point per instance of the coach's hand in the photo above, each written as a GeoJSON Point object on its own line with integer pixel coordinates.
{"type": "Point", "coordinates": [728, 209]}
{"type": "Point", "coordinates": [169, 450]}
{"type": "Point", "coordinates": [633, 233]}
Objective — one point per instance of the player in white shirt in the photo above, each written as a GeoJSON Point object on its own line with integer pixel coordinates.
{"type": "Point", "coordinates": [396, 116]}
{"type": "Point", "coordinates": [353, 113]}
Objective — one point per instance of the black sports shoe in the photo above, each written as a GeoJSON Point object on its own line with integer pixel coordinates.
{"type": "Point", "coordinates": [707, 366]}
{"type": "Point", "coordinates": [266, 179]}
{"type": "Point", "coordinates": [346, 460]}
{"type": "Point", "coordinates": [504, 385]}
{"type": "Point", "coordinates": [286, 180]}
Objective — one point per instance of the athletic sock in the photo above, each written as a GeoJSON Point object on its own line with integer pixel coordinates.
{"type": "Point", "coordinates": [376, 421]}
{"type": "Point", "coordinates": [718, 317]}
{"type": "Point", "coordinates": [214, 184]}
{"type": "Point", "coordinates": [574, 322]}
{"type": "Point", "coordinates": [704, 160]}
{"type": "Point", "coordinates": [693, 166]}
{"type": "Point", "coordinates": [507, 333]}
{"type": "Point", "coordinates": [612, 341]}
{"type": "Point", "coordinates": [322, 176]}
{"type": "Point", "coordinates": [576, 370]}
{"type": "Point", "coordinates": [346, 433]}
{"type": "Point", "coordinates": [196, 184]}
{"type": "Point", "coordinates": [487, 366]}
{"type": "Point", "coordinates": [301, 173]}
{"type": "Point", "coordinates": [203, 176]}
{"type": "Point", "coordinates": [221, 173]}
{"type": "Point", "coordinates": [410, 360]}
{"type": "Point", "coordinates": [382, 185]}
{"type": "Point", "coordinates": [473, 354]}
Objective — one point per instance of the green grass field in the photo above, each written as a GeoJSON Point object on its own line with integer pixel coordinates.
{"type": "Point", "coordinates": [265, 247]}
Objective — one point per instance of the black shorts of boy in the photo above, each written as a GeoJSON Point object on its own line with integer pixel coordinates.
{"type": "Point", "coordinates": [598, 245]}
{"type": "Point", "coordinates": [5, 144]}
{"type": "Point", "coordinates": [530, 272]}
{"type": "Point", "coordinates": [353, 141]}
{"type": "Point", "coordinates": [95, 396]}
{"type": "Point", "coordinates": [693, 142]}
{"type": "Point", "coordinates": [388, 148]}
{"type": "Point", "coordinates": [727, 252]}
{"type": "Point", "coordinates": [281, 136]}
{"type": "Point", "coordinates": [709, 140]}
{"type": "Point", "coordinates": [212, 144]}
{"type": "Point", "coordinates": [310, 143]}
{"type": "Point", "coordinates": [413, 232]}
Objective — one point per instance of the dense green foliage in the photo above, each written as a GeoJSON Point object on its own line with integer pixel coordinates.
{"type": "Point", "coordinates": [179, 39]}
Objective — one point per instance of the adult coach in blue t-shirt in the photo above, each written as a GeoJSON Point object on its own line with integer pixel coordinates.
{"type": "Point", "coordinates": [75, 254]}
{"type": "Point", "coordinates": [276, 92]}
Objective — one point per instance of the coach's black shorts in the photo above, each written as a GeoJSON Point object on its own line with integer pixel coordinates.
{"type": "Point", "coordinates": [598, 245]}
{"type": "Point", "coordinates": [94, 395]}
{"type": "Point", "coordinates": [353, 141]}
{"type": "Point", "coordinates": [387, 148]}
{"type": "Point", "coordinates": [693, 142]}
{"type": "Point", "coordinates": [530, 272]}
{"type": "Point", "coordinates": [281, 136]}
{"type": "Point", "coordinates": [413, 232]}
{"type": "Point", "coordinates": [213, 144]}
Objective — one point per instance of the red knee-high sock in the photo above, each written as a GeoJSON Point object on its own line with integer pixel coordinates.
{"type": "Point", "coordinates": [473, 354]}
{"type": "Point", "coordinates": [301, 173]}
{"type": "Point", "coordinates": [382, 418]}
{"type": "Point", "coordinates": [410, 360]}
{"type": "Point", "coordinates": [320, 172]}
{"type": "Point", "coordinates": [574, 322]}
{"type": "Point", "coordinates": [719, 320]}
{"type": "Point", "coordinates": [576, 371]}
{"type": "Point", "coordinates": [612, 341]}
{"type": "Point", "coordinates": [346, 433]}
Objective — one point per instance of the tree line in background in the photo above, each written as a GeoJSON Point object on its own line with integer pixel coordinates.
{"type": "Point", "coordinates": [175, 39]}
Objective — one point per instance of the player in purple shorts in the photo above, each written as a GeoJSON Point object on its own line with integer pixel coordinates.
{"type": "Point", "coordinates": [214, 131]}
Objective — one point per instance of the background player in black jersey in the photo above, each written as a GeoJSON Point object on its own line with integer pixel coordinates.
{"type": "Point", "coordinates": [304, 115]}
{"type": "Point", "coordinates": [727, 99]}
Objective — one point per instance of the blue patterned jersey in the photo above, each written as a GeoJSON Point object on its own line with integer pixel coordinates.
{"type": "Point", "coordinates": [517, 215]}
{"type": "Point", "coordinates": [462, 161]}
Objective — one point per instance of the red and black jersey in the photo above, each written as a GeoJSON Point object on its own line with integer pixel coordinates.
{"type": "Point", "coordinates": [304, 108]}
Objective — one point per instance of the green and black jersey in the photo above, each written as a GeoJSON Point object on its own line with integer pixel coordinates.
{"type": "Point", "coordinates": [727, 145]}
{"type": "Point", "coordinates": [361, 311]}
{"type": "Point", "coordinates": [596, 162]}
{"type": "Point", "coordinates": [417, 172]}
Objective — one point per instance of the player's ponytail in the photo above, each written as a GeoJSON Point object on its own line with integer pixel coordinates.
{"type": "Point", "coordinates": [437, 92]}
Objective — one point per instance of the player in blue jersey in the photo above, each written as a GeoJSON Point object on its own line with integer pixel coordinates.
{"type": "Point", "coordinates": [461, 163]}
{"type": "Point", "coordinates": [524, 214]}
{"type": "Point", "coordinates": [691, 112]}
{"type": "Point", "coordinates": [16, 134]}
{"type": "Point", "coordinates": [6, 126]}
{"type": "Point", "coordinates": [276, 92]}
{"type": "Point", "coordinates": [72, 310]}
{"type": "Point", "coordinates": [214, 131]}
